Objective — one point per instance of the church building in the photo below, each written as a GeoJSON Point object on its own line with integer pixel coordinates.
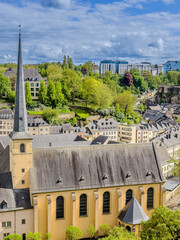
{"type": "Point", "coordinates": [49, 182]}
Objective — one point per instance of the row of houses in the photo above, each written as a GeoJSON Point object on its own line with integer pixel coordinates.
{"type": "Point", "coordinates": [120, 67]}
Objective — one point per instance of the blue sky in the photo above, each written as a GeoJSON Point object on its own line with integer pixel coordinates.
{"type": "Point", "coordinates": [133, 30]}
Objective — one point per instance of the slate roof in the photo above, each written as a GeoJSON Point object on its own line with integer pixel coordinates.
{"type": "Point", "coordinates": [56, 140]}
{"type": "Point", "coordinates": [35, 121]}
{"type": "Point", "coordinates": [170, 185]}
{"type": "Point", "coordinates": [100, 140]}
{"type": "Point", "coordinates": [6, 180]}
{"type": "Point", "coordinates": [92, 162]}
{"type": "Point", "coordinates": [163, 156]}
{"type": "Point", "coordinates": [29, 73]}
{"type": "Point", "coordinates": [154, 115]}
{"type": "Point", "coordinates": [133, 213]}
{"type": "Point", "coordinates": [169, 138]}
{"type": "Point", "coordinates": [15, 198]}
{"type": "Point", "coordinates": [4, 160]}
{"type": "Point", "coordinates": [6, 114]}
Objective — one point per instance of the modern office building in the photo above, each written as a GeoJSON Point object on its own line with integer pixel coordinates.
{"type": "Point", "coordinates": [121, 67]}
{"type": "Point", "coordinates": [112, 66]}
{"type": "Point", "coordinates": [171, 66]}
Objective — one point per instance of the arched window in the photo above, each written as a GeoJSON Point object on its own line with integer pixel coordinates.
{"type": "Point", "coordinates": [128, 228]}
{"type": "Point", "coordinates": [106, 202]}
{"type": "Point", "coordinates": [22, 148]}
{"type": "Point", "coordinates": [83, 205]}
{"type": "Point", "coordinates": [128, 195]}
{"type": "Point", "coordinates": [4, 205]}
{"type": "Point", "coordinates": [150, 198]}
{"type": "Point", "coordinates": [60, 207]}
{"type": "Point", "coordinates": [24, 236]}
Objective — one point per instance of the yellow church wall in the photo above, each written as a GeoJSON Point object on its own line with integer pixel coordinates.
{"type": "Point", "coordinates": [59, 226]}
{"type": "Point", "coordinates": [20, 163]}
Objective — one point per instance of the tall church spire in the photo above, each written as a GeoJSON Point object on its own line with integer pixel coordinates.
{"type": "Point", "coordinates": [20, 116]}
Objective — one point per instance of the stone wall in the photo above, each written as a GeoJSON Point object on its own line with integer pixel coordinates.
{"type": "Point", "coordinates": [168, 94]}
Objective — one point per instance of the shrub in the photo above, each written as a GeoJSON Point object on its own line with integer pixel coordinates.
{"type": "Point", "coordinates": [73, 233]}
{"type": "Point", "coordinates": [91, 231]}
{"type": "Point", "coordinates": [105, 228]}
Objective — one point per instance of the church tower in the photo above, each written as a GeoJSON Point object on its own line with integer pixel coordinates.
{"type": "Point", "coordinates": [20, 139]}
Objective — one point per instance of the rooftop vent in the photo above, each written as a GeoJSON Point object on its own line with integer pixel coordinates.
{"type": "Point", "coordinates": [81, 179]}
{"type": "Point", "coordinates": [59, 180]}
{"type": "Point", "coordinates": [148, 174]}
{"type": "Point", "coordinates": [104, 177]}
{"type": "Point", "coordinates": [128, 175]}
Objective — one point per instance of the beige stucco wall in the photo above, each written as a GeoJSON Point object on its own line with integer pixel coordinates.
{"type": "Point", "coordinates": [15, 217]}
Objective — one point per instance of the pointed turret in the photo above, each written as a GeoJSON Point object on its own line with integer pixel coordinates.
{"type": "Point", "coordinates": [20, 117]}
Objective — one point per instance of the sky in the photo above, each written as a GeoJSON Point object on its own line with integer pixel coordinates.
{"type": "Point", "coordinates": [90, 30]}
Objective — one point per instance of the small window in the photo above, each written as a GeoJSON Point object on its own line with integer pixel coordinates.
{"type": "Point", "coordinates": [150, 198]}
{"type": "Point", "coordinates": [23, 181]}
{"type": "Point", "coordinates": [83, 205]}
{"type": "Point", "coordinates": [106, 202]}
{"type": "Point", "coordinates": [3, 224]}
{"type": "Point", "coordinates": [59, 207]}
{"type": "Point", "coordinates": [128, 195]}
{"type": "Point", "coordinates": [8, 224]}
{"type": "Point", "coordinates": [22, 148]}
{"type": "Point", "coordinates": [23, 169]}
{"type": "Point", "coordinates": [23, 221]}
{"type": "Point", "coordinates": [4, 205]}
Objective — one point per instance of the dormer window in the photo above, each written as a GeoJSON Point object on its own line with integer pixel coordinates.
{"type": "Point", "coordinates": [22, 148]}
{"type": "Point", "coordinates": [81, 179]}
{"type": "Point", "coordinates": [128, 175]}
{"type": "Point", "coordinates": [104, 177]}
{"type": "Point", "coordinates": [4, 205]}
{"type": "Point", "coordinates": [59, 180]}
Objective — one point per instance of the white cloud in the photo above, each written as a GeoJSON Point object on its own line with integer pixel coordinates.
{"type": "Point", "coordinates": [168, 1]}
{"type": "Point", "coordinates": [85, 33]}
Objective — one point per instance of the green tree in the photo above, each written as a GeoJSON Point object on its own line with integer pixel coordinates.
{"type": "Point", "coordinates": [33, 236]}
{"type": "Point", "coordinates": [42, 92]}
{"type": "Point", "coordinates": [173, 77]}
{"type": "Point", "coordinates": [73, 233]}
{"type": "Point", "coordinates": [72, 84]}
{"type": "Point", "coordinates": [4, 85]}
{"type": "Point", "coordinates": [104, 95]}
{"type": "Point", "coordinates": [28, 94]}
{"type": "Point", "coordinates": [139, 80]}
{"type": "Point", "coordinates": [175, 160]}
{"type": "Point", "coordinates": [13, 81]}
{"type": "Point", "coordinates": [49, 114]}
{"type": "Point", "coordinates": [118, 233]}
{"type": "Point", "coordinates": [91, 231]}
{"type": "Point", "coordinates": [13, 237]}
{"type": "Point", "coordinates": [164, 224]}
{"type": "Point", "coordinates": [51, 94]}
{"type": "Point", "coordinates": [70, 63]}
{"type": "Point", "coordinates": [105, 228]}
{"type": "Point", "coordinates": [90, 93]}
{"type": "Point", "coordinates": [54, 73]}
{"type": "Point", "coordinates": [126, 101]}
{"type": "Point", "coordinates": [64, 65]}
{"type": "Point", "coordinates": [11, 96]}
{"type": "Point", "coordinates": [59, 94]}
